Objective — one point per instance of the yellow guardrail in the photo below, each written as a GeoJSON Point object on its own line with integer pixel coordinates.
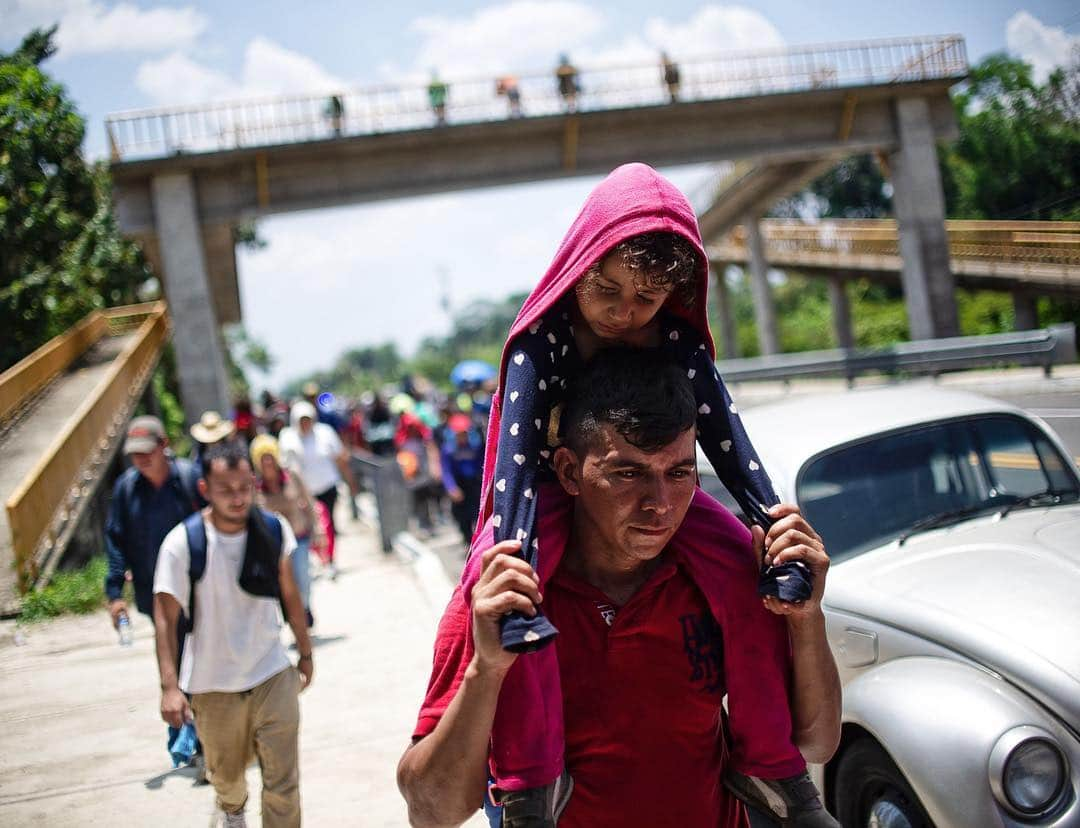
{"type": "Point", "coordinates": [1019, 242]}
{"type": "Point", "coordinates": [32, 508]}
{"type": "Point", "coordinates": [25, 378]}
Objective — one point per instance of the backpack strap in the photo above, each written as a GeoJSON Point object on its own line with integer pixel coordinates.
{"type": "Point", "coordinates": [274, 525]}
{"type": "Point", "coordinates": [189, 483]}
{"type": "Point", "coordinates": [195, 529]}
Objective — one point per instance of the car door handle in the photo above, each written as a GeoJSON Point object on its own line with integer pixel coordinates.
{"type": "Point", "coordinates": [857, 648]}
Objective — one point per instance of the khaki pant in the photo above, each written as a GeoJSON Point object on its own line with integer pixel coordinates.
{"type": "Point", "coordinates": [263, 722]}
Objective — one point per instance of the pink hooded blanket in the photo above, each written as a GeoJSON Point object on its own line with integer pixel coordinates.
{"type": "Point", "coordinates": [632, 200]}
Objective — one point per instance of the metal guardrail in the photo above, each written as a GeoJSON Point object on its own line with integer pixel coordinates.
{"type": "Point", "coordinates": [1035, 242]}
{"type": "Point", "coordinates": [393, 500]}
{"type": "Point", "coordinates": [1042, 253]}
{"type": "Point", "coordinates": [41, 509]}
{"type": "Point", "coordinates": [20, 382]}
{"type": "Point", "coordinates": [377, 109]}
{"type": "Point", "coordinates": [1055, 345]}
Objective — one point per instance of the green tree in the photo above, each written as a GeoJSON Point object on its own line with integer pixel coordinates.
{"type": "Point", "coordinates": [60, 253]}
{"type": "Point", "coordinates": [1018, 154]}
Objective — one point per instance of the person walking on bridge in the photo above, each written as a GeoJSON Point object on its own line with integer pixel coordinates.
{"type": "Point", "coordinates": [437, 93]}
{"type": "Point", "coordinates": [566, 76]}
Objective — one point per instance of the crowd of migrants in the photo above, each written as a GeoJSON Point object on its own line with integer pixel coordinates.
{"type": "Point", "coordinates": [168, 530]}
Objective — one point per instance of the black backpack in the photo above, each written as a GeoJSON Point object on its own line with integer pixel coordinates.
{"type": "Point", "coordinates": [262, 554]}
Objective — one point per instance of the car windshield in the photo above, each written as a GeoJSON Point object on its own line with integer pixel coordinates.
{"type": "Point", "coordinates": [860, 496]}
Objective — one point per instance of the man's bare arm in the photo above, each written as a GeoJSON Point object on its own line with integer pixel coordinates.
{"type": "Point", "coordinates": [816, 693]}
{"type": "Point", "coordinates": [174, 704]}
{"type": "Point", "coordinates": [443, 776]}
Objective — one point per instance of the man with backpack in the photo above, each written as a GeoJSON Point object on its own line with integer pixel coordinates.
{"type": "Point", "coordinates": [227, 570]}
{"type": "Point", "coordinates": [149, 498]}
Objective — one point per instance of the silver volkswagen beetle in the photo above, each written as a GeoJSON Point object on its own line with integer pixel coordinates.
{"type": "Point", "coordinates": [952, 606]}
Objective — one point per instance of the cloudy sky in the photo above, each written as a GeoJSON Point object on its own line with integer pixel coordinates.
{"type": "Point", "coordinates": [352, 276]}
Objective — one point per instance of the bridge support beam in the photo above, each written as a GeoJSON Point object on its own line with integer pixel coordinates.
{"type": "Point", "coordinates": [200, 363]}
{"type": "Point", "coordinates": [729, 340]}
{"type": "Point", "coordinates": [764, 311]}
{"type": "Point", "coordinates": [1025, 311]}
{"type": "Point", "coordinates": [841, 312]}
{"type": "Point", "coordinates": [919, 204]}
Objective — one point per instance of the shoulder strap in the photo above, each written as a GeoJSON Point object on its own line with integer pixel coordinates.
{"type": "Point", "coordinates": [131, 477]}
{"type": "Point", "coordinates": [189, 482]}
{"type": "Point", "coordinates": [195, 529]}
{"type": "Point", "coordinates": [274, 525]}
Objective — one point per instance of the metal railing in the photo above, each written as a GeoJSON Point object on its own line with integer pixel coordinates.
{"type": "Point", "coordinates": [40, 509]}
{"type": "Point", "coordinates": [840, 242]}
{"type": "Point", "coordinates": [393, 501]}
{"type": "Point", "coordinates": [1055, 345]}
{"type": "Point", "coordinates": [378, 109]}
{"type": "Point", "coordinates": [20, 382]}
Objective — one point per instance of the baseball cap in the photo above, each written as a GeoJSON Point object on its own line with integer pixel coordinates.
{"type": "Point", "coordinates": [144, 434]}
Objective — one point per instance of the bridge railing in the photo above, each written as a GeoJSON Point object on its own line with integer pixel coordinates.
{"type": "Point", "coordinates": [40, 509]}
{"type": "Point", "coordinates": [1017, 242]}
{"type": "Point", "coordinates": [376, 109]}
{"type": "Point", "coordinates": [20, 382]}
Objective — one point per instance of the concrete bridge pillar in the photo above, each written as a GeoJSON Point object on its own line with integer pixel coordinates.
{"type": "Point", "coordinates": [764, 311]}
{"type": "Point", "coordinates": [200, 363]}
{"type": "Point", "coordinates": [729, 340]}
{"type": "Point", "coordinates": [919, 204]}
{"type": "Point", "coordinates": [1025, 311]}
{"type": "Point", "coordinates": [841, 312]}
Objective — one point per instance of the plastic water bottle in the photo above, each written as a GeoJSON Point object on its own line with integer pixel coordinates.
{"type": "Point", "coordinates": [124, 627]}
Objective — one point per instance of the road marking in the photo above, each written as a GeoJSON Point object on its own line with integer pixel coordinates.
{"type": "Point", "coordinates": [1072, 413]}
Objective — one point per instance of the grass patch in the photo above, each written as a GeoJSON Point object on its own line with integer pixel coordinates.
{"type": "Point", "coordinates": [73, 591]}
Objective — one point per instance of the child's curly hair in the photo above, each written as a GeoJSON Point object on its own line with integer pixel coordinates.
{"type": "Point", "coordinates": [663, 261]}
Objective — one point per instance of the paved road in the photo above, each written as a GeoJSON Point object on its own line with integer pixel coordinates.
{"type": "Point", "coordinates": [81, 742]}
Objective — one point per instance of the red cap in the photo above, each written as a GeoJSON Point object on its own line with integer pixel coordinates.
{"type": "Point", "coordinates": [459, 423]}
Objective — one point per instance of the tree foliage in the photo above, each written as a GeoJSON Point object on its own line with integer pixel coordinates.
{"type": "Point", "coordinates": [1018, 154]}
{"type": "Point", "coordinates": [61, 255]}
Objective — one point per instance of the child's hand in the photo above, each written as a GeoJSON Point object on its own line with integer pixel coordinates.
{"type": "Point", "coordinates": [792, 538]}
{"type": "Point", "coordinates": [507, 583]}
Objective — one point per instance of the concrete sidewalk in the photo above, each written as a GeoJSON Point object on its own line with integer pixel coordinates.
{"type": "Point", "coordinates": [81, 742]}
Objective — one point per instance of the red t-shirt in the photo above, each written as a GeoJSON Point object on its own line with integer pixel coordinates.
{"type": "Point", "coordinates": [642, 690]}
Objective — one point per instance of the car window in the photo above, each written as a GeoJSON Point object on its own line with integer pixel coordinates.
{"type": "Point", "coordinates": [863, 495]}
{"type": "Point", "coordinates": [1013, 465]}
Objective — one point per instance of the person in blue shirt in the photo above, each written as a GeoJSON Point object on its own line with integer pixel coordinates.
{"type": "Point", "coordinates": [148, 499]}
{"type": "Point", "coordinates": [151, 497]}
{"type": "Point", "coordinates": [462, 460]}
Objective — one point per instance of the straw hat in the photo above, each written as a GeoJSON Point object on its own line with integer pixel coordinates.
{"type": "Point", "coordinates": [211, 428]}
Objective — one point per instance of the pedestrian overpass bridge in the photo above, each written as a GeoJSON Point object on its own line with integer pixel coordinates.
{"type": "Point", "coordinates": [186, 177]}
{"type": "Point", "coordinates": [1024, 258]}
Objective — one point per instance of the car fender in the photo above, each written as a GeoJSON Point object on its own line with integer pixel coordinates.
{"type": "Point", "coordinates": [939, 720]}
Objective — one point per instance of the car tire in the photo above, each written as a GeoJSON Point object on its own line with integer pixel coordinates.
{"type": "Point", "coordinates": [872, 793]}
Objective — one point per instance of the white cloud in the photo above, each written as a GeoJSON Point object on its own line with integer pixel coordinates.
{"type": "Point", "coordinates": [177, 79]}
{"type": "Point", "coordinates": [713, 29]}
{"type": "Point", "coordinates": [1044, 47]}
{"type": "Point", "coordinates": [268, 69]}
{"type": "Point", "coordinates": [522, 34]}
{"type": "Point", "coordinates": [528, 35]}
{"type": "Point", "coordinates": [91, 27]}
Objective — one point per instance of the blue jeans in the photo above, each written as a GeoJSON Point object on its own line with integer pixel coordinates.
{"type": "Point", "coordinates": [301, 572]}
